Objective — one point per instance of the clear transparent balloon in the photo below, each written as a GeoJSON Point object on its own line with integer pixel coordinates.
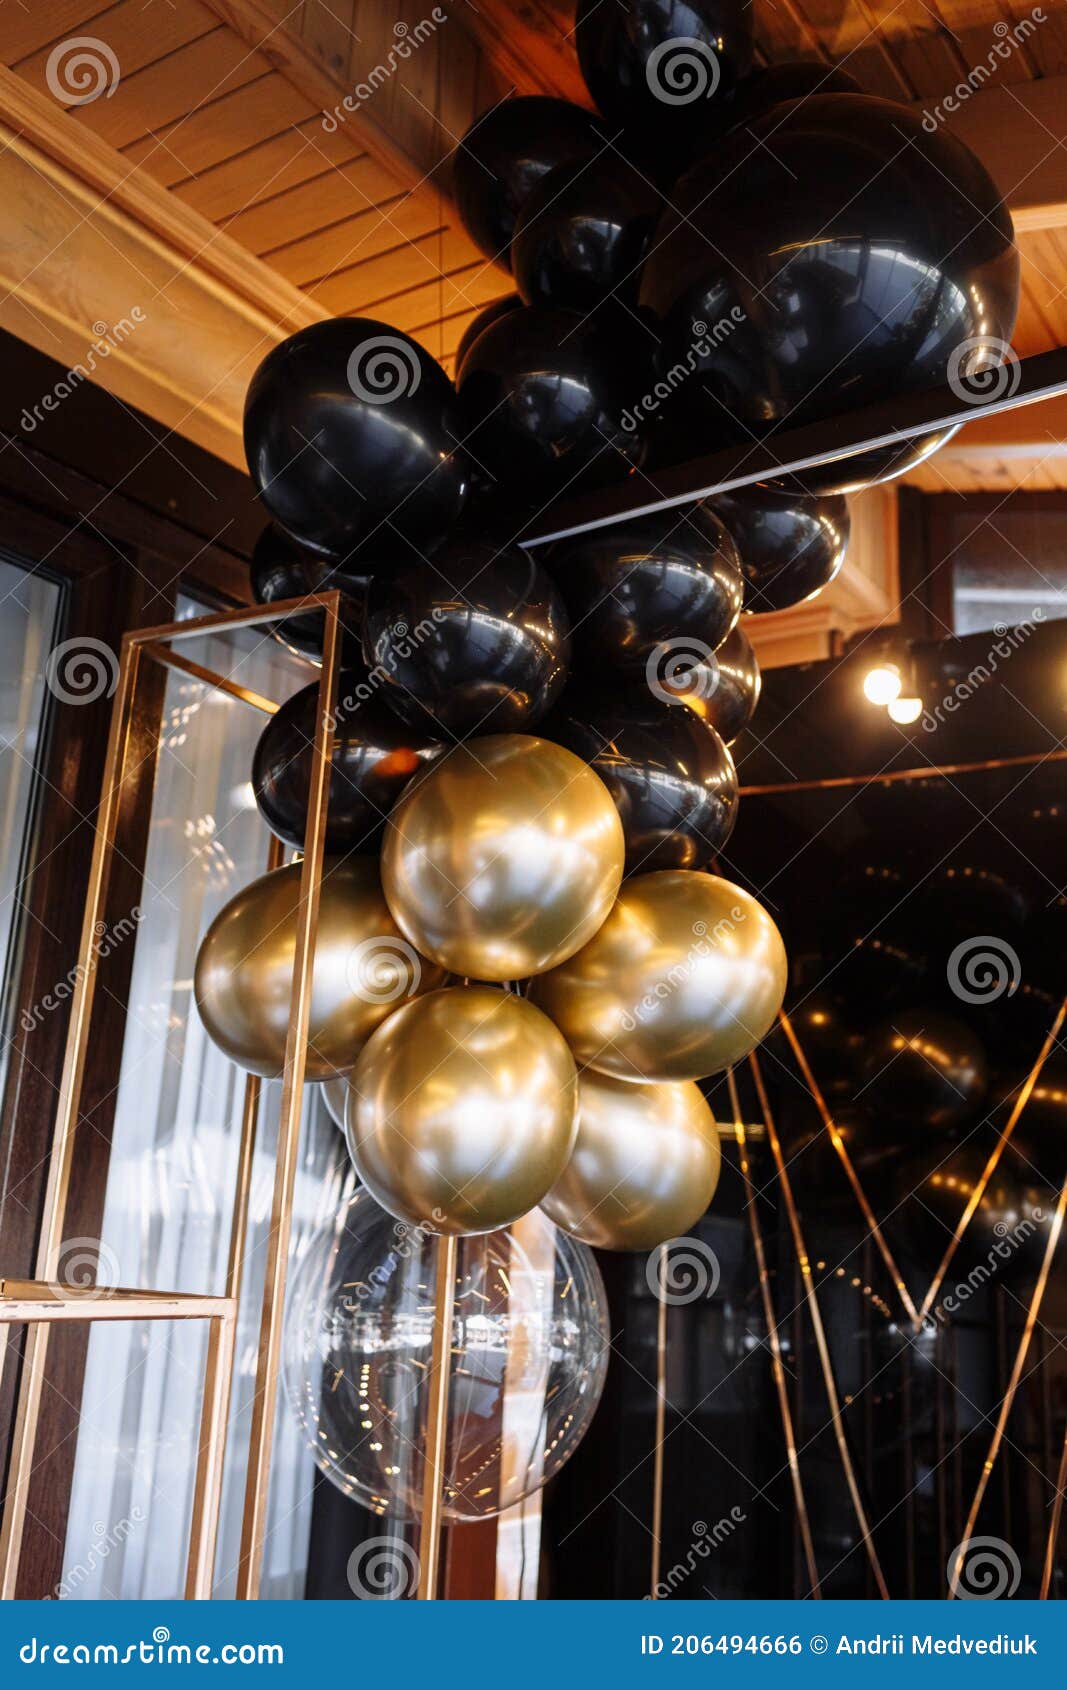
{"type": "Point", "coordinates": [529, 1356]}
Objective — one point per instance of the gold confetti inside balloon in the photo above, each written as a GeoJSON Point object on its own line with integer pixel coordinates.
{"type": "Point", "coordinates": [644, 1167]}
{"type": "Point", "coordinates": [363, 970]}
{"type": "Point", "coordinates": [503, 858]}
{"type": "Point", "coordinates": [684, 978]}
{"type": "Point", "coordinates": [462, 1110]}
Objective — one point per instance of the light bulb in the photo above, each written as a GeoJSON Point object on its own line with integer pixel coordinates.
{"type": "Point", "coordinates": [905, 710]}
{"type": "Point", "coordinates": [882, 684]}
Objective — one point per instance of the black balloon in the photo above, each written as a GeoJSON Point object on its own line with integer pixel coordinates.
{"type": "Point", "coordinates": [725, 689]}
{"type": "Point", "coordinates": [350, 434]}
{"type": "Point", "coordinates": [504, 155]}
{"type": "Point", "coordinates": [279, 570]}
{"type": "Point", "coordinates": [664, 69]}
{"type": "Point", "coordinates": [479, 640]}
{"type": "Point", "coordinates": [499, 308]}
{"type": "Point", "coordinates": [924, 1069]}
{"type": "Point", "coordinates": [374, 756]}
{"type": "Point", "coordinates": [583, 234]}
{"type": "Point", "coordinates": [828, 1039]}
{"type": "Point", "coordinates": [854, 257]}
{"type": "Point", "coordinates": [857, 470]}
{"type": "Point", "coordinates": [879, 971]}
{"type": "Point", "coordinates": [672, 778]}
{"type": "Point", "coordinates": [1007, 1232]}
{"type": "Point", "coordinates": [962, 900]}
{"type": "Point", "coordinates": [666, 579]}
{"type": "Point", "coordinates": [790, 547]}
{"type": "Point", "coordinates": [544, 399]}
{"type": "Point", "coordinates": [778, 83]}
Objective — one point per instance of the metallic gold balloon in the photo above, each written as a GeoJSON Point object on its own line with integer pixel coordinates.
{"type": "Point", "coordinates": [462, 1110]}
{"type": "Point", "coordinates": [644, 1166]}
{"type": "Point", "coordinates": [683, 979]}
{"type": "Point", "coordinates": [503, 857]}
{"type": "Point", "coordinates": [363, 969]}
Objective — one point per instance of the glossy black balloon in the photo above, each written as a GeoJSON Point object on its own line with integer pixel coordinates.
{"type": "Point", "coordinates": [790, 547]}
{"type": "Point", "coordinates": [280, 570]}
{"type": "Point", "coordinates": [583, 234]}
{"type": "Point", "coordinates": [925, 1069]}
{"type": "Point", "coordinates": [499, 308]}
{"type": "Point", "coordinates": [544, 400]}
{"type": "Point", "coordinates": [776, 84]}
{"type": "Point", "coordinates": [1007, 1232]}
{"type": "Point", "coordinates": [350, 434]}
{"type": "Point", "coordinates": [504, 155]}
{"type": "Point", "coordinates": [648, 581]}
{"type": "Point", "coordinates": [855, 255]}
{"type": "Point", "coordinates": [880, 971]}
{"type": "Point", "coordinates": [725, 689]}
{"type": "Point", "coordinates": [828, 1038]}
{"type": "Point", "coordinates": [374, 756]}
{"type": "Point", "coordinates": [664, 69]}
{"type": "Point", "coordinates": [857, 470]}
{"type": "Point", "coordinates": [963, 899]}
{"type": "Point", "coordinates": [479, 641]}
{"type": "Point", "coordinates": [672, 778]}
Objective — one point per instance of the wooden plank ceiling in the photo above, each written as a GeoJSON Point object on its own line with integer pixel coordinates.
{"type": "Point", "coordinates": [221, 103]}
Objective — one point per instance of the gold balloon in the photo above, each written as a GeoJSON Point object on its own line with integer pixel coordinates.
{"type": "Point", "coordinates": [364, 968]}
{"type": "Point", "coordinates": [503, 858]}
{"type": "Point", "coordinates": [462, 1110]}
{"type": "Point", "coordinates": [644, 1167]}
{"type": "Point", "coordinates": [684, 978]}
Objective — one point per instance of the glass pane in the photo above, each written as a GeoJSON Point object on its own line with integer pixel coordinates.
{"type": "Point", "coordinates": [173, 1167]}
{"type": "Point", "coordinates": [29, 611]}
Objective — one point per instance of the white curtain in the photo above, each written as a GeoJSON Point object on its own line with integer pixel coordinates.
{"type": "Point", "coordinates": [171, 1178]}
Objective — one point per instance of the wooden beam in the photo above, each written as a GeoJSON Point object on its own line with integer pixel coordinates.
{"type": "Point", "coordinates": [1019, 131]}
{"type": "Point", "coordinates": [124, 284]}
{"type": "Point", "coordinates": [527, 48]}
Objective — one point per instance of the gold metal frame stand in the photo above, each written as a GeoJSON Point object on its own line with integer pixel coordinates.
{"type": "Point", "coordinates": [42, 1302]}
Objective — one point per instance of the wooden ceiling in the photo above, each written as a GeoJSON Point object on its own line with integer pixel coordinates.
{"type": "Point", "coordinates": [214, 120]}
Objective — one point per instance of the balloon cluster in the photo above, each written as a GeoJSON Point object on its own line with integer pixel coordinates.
{"type": "Point", "coordinates": [524, 961]}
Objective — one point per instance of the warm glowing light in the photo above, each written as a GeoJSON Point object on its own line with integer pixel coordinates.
{"type": "Point", "coordinates": [882, 684]}
{"type": "Point", "coordinates": [906, 710]}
